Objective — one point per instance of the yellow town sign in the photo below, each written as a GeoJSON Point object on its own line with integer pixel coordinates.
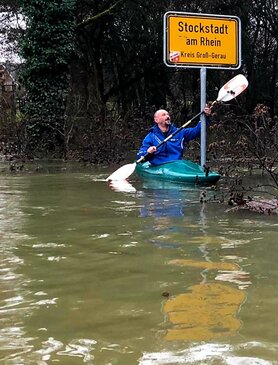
{"type": "Point", "coordinates": [202, 40]}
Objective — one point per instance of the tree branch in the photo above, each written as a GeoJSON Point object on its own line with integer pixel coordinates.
{"type": "Point", "coordinates": [91, 19]}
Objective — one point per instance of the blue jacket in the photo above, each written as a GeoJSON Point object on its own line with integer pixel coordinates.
{"type": "Point", "coordinates": [173, 149]}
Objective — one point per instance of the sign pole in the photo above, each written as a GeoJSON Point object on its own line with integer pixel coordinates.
{"type": "Point", "coordinates": [203, 77]}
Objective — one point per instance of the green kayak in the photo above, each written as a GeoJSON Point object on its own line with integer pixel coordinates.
{"type": "Point", "coordinates": [181, 171]}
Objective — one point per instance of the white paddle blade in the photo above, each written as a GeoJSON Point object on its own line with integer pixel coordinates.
{"type": "Point", "coordinates": [232, 88]}
{"type": "Point", "coordinates": [122, 173]}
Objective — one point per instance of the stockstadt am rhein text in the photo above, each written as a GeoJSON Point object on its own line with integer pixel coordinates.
{"type": "Point", "coordinates": [204, 29]}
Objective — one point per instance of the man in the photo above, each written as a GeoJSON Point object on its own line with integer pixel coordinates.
{"type": "Point", "coordinates": [173, 149]}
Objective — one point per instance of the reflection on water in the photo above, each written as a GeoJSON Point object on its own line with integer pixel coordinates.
{"type": "Point", "coordinates": [208, 311]}
{"type": "Point", "coordinates": [84, 268]}
{"type": "Point", "coordinates": [122, 186]}
{"type": "Point", "coordinates": [207, 264]}
{"type": "Point", "coordinates": [164, 199]}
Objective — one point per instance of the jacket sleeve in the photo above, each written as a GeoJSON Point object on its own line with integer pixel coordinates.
{"type": "Point", "coordinates": [147, 142]}
{"type": "Point", "coordinates": [192, 133]}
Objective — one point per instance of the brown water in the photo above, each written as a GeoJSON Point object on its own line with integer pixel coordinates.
{"type": "Point", "coordinates": [136, 275]}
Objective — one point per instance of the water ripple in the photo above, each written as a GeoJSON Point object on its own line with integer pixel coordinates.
{"type": "Point", "coordinates": [81, 348]}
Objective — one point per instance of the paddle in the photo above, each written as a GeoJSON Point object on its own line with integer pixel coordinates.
{"type": "Point", "coordinates": [229, 91]}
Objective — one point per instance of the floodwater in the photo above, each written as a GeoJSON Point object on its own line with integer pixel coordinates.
{"type": "Point", "coordinates": [140, 274]}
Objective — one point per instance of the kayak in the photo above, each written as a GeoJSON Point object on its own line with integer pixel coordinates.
{"type": "Point", "coordinates": [181, 171]}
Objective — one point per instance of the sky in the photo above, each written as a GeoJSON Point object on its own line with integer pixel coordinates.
{"type": "Point", "coordinates": [7, 52]}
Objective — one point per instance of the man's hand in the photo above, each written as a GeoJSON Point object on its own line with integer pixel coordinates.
{"type": "Point", "coordinates": [151, 149]}
{"type": "Point", "coordinates": [207, 111]}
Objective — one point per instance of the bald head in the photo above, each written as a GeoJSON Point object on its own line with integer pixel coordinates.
{"type": "Point", "coordinates": [159, 113]}
{"type": "Point", "coordinates": [162, 119]}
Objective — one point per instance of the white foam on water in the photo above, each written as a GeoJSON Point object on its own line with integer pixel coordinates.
{"type": "Point", "coordinates": [202, 354]}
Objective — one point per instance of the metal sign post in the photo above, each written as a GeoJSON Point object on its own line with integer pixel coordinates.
{"type": "Point", "coordinates": [202, 41]}
{"type": "Point", "coordinates": [203, 76]}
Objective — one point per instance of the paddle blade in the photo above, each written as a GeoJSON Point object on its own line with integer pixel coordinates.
{"type": "Point", "coordinates": [122, 173]}
{"type": "Point", "coordinates": [232, 88]}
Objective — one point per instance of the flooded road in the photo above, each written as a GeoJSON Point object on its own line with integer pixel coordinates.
{"type": "Point", "coordinates": [142, 274]}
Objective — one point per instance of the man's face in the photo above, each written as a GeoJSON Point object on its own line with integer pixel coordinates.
{"type": "Point", "coordinates": [162, 118]}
